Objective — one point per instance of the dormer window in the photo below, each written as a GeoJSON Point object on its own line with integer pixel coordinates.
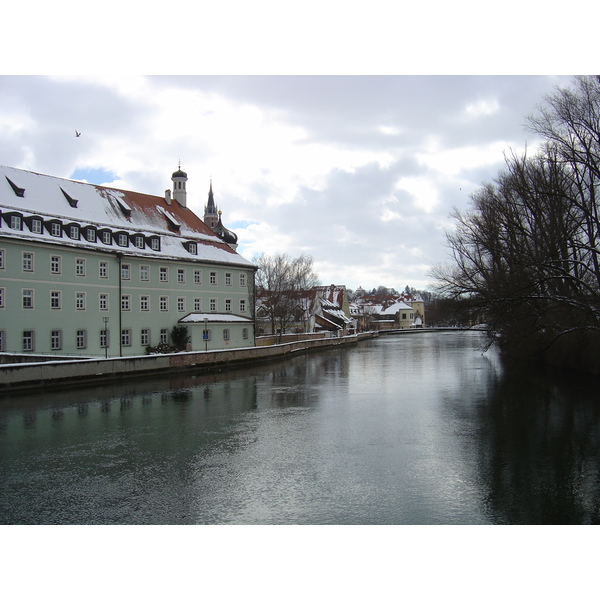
{"type": "Point", "coordinates": [172, 222]}
{"type": "Point", "coordinates": [191, 247]}
{"type": "Point", "coordinates": [16, 189]}
{"type": "Point", "coordinates": [139, 242]}
{"type": "Point", "coordinates": [106, 236]}
{"type": "Point", "coordinates": [74, 232]}
{"type": "Point", "coordinates": [55, 228]}
{"type": "Point", "coordinates": [122, 239]}
{"type": "Point", "coordinates": [90, 233]}
{"type": "Point", "coordinates": [124, 207]}
{"type": "Point", "coordinates": [154, 242]}
{"type": "Point", "coordinates": [16, 222]}
{"type": "Point", "coordinates": [72, 202]}
{"type": "Point", "coordinates": [35, 224]}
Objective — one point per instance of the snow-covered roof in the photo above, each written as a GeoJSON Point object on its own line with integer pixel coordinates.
{"type": "Point", "coordinates": [214, 318]}
{"type": "Point", "coordinates": [394, 308]}
{"type": "Point", "coordinates": [75, 202]}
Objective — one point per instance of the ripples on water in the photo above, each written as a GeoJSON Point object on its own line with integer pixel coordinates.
{"type": "Point", "coordinates": [418, 429]}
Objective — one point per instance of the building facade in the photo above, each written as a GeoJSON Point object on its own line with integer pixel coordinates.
{"type": "Point", "coordinates": [87, 270]}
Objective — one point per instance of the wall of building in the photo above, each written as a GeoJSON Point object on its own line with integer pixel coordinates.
{"type": "Point", "coordinates": [69, 286]}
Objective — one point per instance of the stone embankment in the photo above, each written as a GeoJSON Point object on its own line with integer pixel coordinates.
{"type": "Point", "coordinates": [42, 375]}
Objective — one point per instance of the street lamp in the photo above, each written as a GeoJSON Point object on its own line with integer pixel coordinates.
{"type": "Point", "coordinates": [105, 319]}
{"type": "Point", "coordinates": [205, 334]}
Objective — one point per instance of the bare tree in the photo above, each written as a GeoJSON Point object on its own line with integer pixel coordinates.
{"type": "Point", "coordinates": [282, 284]}
{"type": "Point", "coordinates": [527, 256]}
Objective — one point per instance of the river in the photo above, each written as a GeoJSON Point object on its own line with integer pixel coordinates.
{"type": "Point", "coordinates": [424, 428]}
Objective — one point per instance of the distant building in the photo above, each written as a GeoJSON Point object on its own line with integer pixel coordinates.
{"type": "Point", "coordinates": [87, 270]}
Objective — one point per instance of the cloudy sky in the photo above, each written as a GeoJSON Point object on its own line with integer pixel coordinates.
{"type": "Point", "coordinates": [358, 171]}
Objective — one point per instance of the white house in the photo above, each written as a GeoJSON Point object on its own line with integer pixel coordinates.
{"type": "Point", "coordinates": [87, 270]}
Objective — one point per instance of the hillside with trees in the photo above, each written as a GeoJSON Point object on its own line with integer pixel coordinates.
{"type": "Point", "coordinates": [526, 257]}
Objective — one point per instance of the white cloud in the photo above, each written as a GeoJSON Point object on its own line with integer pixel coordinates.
{"type": "Point", "coordinates": [482, 108]}
{"type": "Point", "coordinates": [360, 172]}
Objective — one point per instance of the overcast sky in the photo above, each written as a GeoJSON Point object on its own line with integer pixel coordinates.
{"type": "Point", "coordinates": [360, 172]}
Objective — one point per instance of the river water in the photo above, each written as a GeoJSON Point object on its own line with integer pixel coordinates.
{"type": "Point", "coordinates": [426, 428]}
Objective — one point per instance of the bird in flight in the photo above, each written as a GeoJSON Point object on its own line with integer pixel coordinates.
{"type": "Point", "coordinates": [77, 134]}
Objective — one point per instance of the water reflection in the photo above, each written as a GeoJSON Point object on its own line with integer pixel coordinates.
{"type": "Point", "coordinates": [414, 429]}
{"type": "Point", "coordinates": [539, 450]}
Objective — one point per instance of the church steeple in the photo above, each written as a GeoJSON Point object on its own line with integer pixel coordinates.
{"type": "Point", "coordinates": [212, 217]}
{"type": "Point", "coordinates": [211, 213]}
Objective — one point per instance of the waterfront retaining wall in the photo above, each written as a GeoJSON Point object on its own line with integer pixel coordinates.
{"type": "Point", "coordinates": [52, 373]}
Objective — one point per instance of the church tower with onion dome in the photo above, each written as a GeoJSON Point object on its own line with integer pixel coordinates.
{"type": "Point", "coordinates": [179, 179]}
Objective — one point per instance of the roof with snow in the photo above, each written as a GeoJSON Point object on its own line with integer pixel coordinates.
{"type": "Point", "coordinates": [143, 217]}
{"type": "Point", "coordinates": [214, 318]}
{"type": "Point", "coordinates": [395, 308]}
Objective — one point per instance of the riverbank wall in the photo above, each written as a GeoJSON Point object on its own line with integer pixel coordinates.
{"type": "Point", "coordinates": [60, 373]}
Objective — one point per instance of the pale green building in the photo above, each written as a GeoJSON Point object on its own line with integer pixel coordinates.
{"type": "Point", "coordinates": [87, 270]}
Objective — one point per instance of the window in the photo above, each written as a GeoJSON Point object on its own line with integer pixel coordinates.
{"type": "Point", "coordinates": [55, 300]}
{"type": "Point", "coordinates": [103, 301]}
{"type": "Point", "coordinates": [81, 339]}
{"type": "Point", "coordinates": [56, 339]}
{"type": "Point", "coordinates": [80, 267]}
{"type": "Point", "coordinates": [27, 298]}
{"type": "Point", "coordinates": [15, 222]}
{"type": "Point", "coordinates": [198, 304]}
{"type": "Point", "coordinates": [144, 273]}
{"type": "Point", "coordinates": [180, 275]}
{"type": "Point", "coordinates": [104, 338]}
{"type": "Point", "coordinates": [164, 336]}
{"type": "Point", "coordinates": [126, 337]}
{"type": "Point", "coordinates": [227, 278]}
{"type": "Point", "coordinates": [164, 274]}
{"type": "Point", "coordinates": [1, 258]}
{"type": "Point", "coordinates": [55, 229]}
{"type": "Point", "coordinates": [213, 305]}
{"type": "Point", "coordinates": [242, 279]}
{"type": "Point", "coordinates": [28, 340]}
{"type": "Point", "coordinates": [245, 333]}
{"type": "Point", "coordinates": [145, 337]}
{"type": "Point", "coordinates": [55, 265]}
{"type": "Point", "coordinates": [163, 303]}
{"type": "Point", "coordinates": [74, 232]}
{"type": "Point", "coordinates": [2, 341]}
{"type": "Point", "coordinates": [242, 306]}
{"type": "Point", "coordinates": [213, 278]}
{"type": "Point", "coordinates": [197, 277]}
{"type": "Point", "coordinates": [139, 242]}
{"type": "Point", "coordinates": [103, 269]}
{"type": "Point", "coordinates": [80, 300]}
{"type": "Point", "coordinates": [2, 297]}
{"type": "Point", "coordinates": [181, 304]}
{"type": "Point", "coordinates": [36, 226]}
{"type": "Point", "coordinates": [106, 238]}
{"type": "Point", "coordinates": [125, 271]}
{"type": "Point", "coordinates": [192, 248]}
{"type": "Point", "coordinates": [226, 334]}
{"type": "Point", "coordinates": [90, 235]}
{"type": "Point", "coordinates": [122, 239]}
{"type": "Point", "coordinates": [227, 305]}
{"type": "Point", "coordinates": [125, 302]}
{"type": "Point", "coordinates": [144, 302]}
{"type": "Point", "coordinates": [155, 244]}
{"type": "Point", "coordinates": [27, 261]}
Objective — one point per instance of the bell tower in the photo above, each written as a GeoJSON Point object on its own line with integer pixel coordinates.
{"type": "Point", "coordinates": [211, 214]}
{"type": "Point", "coordinates": [179, 179]}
